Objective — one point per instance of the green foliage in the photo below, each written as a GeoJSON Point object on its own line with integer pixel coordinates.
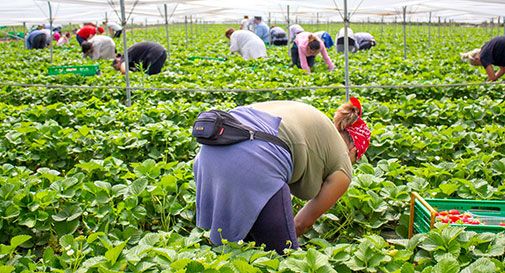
{"type": "Point", "coordinates": [89, 185]}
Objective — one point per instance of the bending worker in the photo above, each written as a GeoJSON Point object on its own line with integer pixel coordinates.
{"type": "Point", "coordinates": [99, 47]}
{"type": "Point", "coordinates": [305, 49]}
{"type": "Point", "coordinates": [294, 30]}
{"type": "Point", "coordinates": [37, 39]}
{"type": "Point", "coordinates": [326, 38]}
{"type": "Point", "coordinates": [261, 29]}
{"type": "Point", "coordinates": [243, 191]}
{"type": "Point", "coordinates": [147, 56]}
{"type": "Point", "coordinates": [364, 40]}
{"type": "Point", "coordinates": [246, 43]}
{"type": "Point", "coordinates": [491, 54]}
{"type": "Point", "coordinates": [278, 36]}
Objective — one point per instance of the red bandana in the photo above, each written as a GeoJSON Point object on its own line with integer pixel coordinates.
{"type": "Point", "coordinates": [359, 131]}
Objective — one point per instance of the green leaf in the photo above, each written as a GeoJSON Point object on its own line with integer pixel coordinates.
{"type": "Point", "coordinates": [482, 265]}
{"type": "Point", "coordinates": [19, 240]}
{"type": "Point", "coordinates": [113, 254]}
{"type": "Point", "coordinates": [138, 186]}
{"type": "Point", "coordinates": [446, 265]}
{"type": "Point", "coordinates": [6, 268]}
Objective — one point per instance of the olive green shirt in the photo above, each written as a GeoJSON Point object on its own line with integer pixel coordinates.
{"type": "Point", "coordinates": [317, 148]}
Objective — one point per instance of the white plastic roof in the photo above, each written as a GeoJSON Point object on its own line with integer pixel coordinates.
{"type": "Point", "coordinates": [15, 12]}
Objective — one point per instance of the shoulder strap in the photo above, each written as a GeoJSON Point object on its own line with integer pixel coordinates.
{"type": "Point", "coordinates": [270, 138]}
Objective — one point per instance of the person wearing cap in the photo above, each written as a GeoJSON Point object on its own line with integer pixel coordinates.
{"type": "Point", "coordinates": [364, 40]}
{"type": "Point", "coordinates": [294, 30]}
{"type": "Point", "coordinates": [99, 47]}
{"type": "Point", "coordinates": [86, 32]}
{"type": "Point", "coordinates": [261, 29]}
{"type": "Point", "coordinates": [305, 49]}
{"type": "Point", "coordinates": [246, 43]}
{"type": "Point", "coordinates": [353, 45]}
{"type": "Point", "coordinates": [490, 55]}
{"type": "Point", "coordinates": [326, 38]}
{"type": "Point", "coordinates": [243, 191]}
{"type": "Point", "coordinates": [278, 36]}
{"type": "Point", "coordinates": [147, 56]}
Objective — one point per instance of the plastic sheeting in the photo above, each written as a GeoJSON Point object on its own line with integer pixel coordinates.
{"type": "Point", "coordinates": [16, 12]}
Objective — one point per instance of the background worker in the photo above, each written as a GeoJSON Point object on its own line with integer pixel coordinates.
{"type": "Point", "coordinates": [305, 49]}
{"type": "Point", "coordinates": [246, 43]}
{"type": "Point", "coordinates": [364, 40]}
{"type": "Point", "coordinates": [326, 38]}
{"type": "Point", "coordinates": [294, 30]}
{"type": "Point", "coordinates": [246, 23]}
{"type": "Point", "coordinates": [278, 36]}
{"type": "Point", "coordinates": [353, 45]}
{"type": "Point", "coordinates": [147, 56]}
{"type": "Point", "coordinates": [490, 55]}
{"type": "Point", "coordinates": [86, 32]}
{"type": "Point", "coordinates": [37, 39]}
{"type": "Point", "coordinates": [243, 191]}
{"type": "Point", "coordinates": [261, 29]}
{"type": "Point", "coordinates": [114, 29]}
{"type": "Point", "coordinates": [99, 47]}
{"type": "Point", "coordinates": [64, 39]}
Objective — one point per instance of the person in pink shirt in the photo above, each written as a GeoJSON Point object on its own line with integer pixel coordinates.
{"type": "Point", "coordinates": [305, 48]}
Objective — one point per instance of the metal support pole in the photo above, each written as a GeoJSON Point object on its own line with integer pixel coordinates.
{"type": "Point", "coordinates": [269, 19]}
{"type": "Point", "coordinates": [346, 51]}
{"type": "Point", "coordinates": [429, 31]}
{"type": "Point", "coordinates": [132, 28]}
{"type": "Point", "coordinates": [50, 30]}
{"type": "Point", "coordinates": [106, 19]}
{"type": "Point", "coordinates": [382, 27]}
{"type": "Point", "coordinates": [404, 32]}
{"type": "Point", "coordinates": [290, 39]}
{"type": "Point", "coordinates": [317, 18]}
{"type": "Point", "coordinates": [439, 23]}
{"type": "Point", "coordinates": [186, 28]}
{"type": "Point", "coordinates": [166, 32]}
{"type": "Point", "coordinates": [503, 25]}
{"type": "Point", "coordinates": [499, 24]}
{"type": "Point", "coordinates": [191, 25]}
{"type": "Point", "coordinates": [125, 52]}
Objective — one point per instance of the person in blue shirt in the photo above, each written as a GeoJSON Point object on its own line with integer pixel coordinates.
{"type": "Point", "coordinates": [261, 29]}
{"type": "Point", "coordinates": [37, 39]}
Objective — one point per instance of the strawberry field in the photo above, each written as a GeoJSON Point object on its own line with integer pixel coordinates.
{"type": "Point", "coordinates": [90, 185]}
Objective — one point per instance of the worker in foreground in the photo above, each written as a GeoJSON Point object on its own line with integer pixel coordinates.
{"type": "Point", "coordinates": [146, 56]}
{"type": "Point", "coordinates": [246, 43]}
{"type": "Point", "coordinates": [305, 49]}
{"type": "Point", "coordinates": [490, 55]}
{"type": "Point", "coordinates": [243, 190]}
{"type": "Point", "coordinates": [99, 47]}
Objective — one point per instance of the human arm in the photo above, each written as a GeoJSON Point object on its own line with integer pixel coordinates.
{"type": "Point", "coordinates": [491, 75]}
{"type": "Point", "coordinates": [28, 44]}
{"type": "Point", "coordinates": [331, 190]}
{"type": "Point", "coordinates": [326, 58]}
{"type": "Point", "coordinates": [303, 59]}
{"type": "Point", "coordinates": [122, 68]}
{"type": "Point", "coordinates": [234, 47]}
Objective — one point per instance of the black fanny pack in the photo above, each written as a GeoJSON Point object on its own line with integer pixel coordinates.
{"type": "Point", "coordinates": [218, 128]}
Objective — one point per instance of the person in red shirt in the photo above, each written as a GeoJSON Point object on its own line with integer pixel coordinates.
{"type": "Point", "coordinates": [86, 32]}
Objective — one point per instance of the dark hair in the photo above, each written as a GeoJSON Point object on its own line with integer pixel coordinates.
{"type": "Point", "coordinates": [229, 32]}
{"type": "Point", "coordinates": [118, 59]}
{"type": "Point", "coordinates": [314, 45]}
{"type": "Point", "coordinates": [86, 46]}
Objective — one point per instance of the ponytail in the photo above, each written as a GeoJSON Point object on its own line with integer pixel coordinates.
{"type": "Point", "coordinates": [345, 116]}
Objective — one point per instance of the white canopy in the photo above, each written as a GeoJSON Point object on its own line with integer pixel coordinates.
{"type": "Point", "coordinates": [16, 12]}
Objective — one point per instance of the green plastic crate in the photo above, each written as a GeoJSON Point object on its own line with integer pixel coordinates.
{"type": "Point", "coordinates": [423, 213]}
{"type": "Point", "coordinates": [19, 34]}
{"type": "Point", "coordinates": [84, 70]}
